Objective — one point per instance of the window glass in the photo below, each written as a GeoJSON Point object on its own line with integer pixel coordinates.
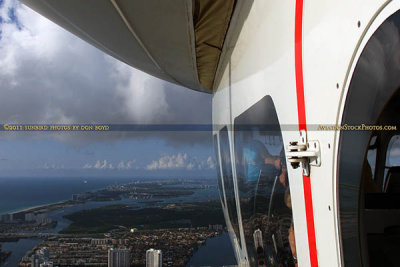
{"type": "Point", "coordinates": [392, 165]}
{"type": "Point", "coordinates": [368, 226]}
{"type": "Point", "coordinates": [393, 152]}
{"type": "Point", "coordinates": [263, 184]}
{"type": "Point", "coordinates": [218, 168]}
{"type": "Point", "coordinates": [227, 178]}
{"type": "Point", "coordinates": [371, 155]}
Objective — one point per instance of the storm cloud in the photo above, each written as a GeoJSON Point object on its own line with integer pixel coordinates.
{"type": "Point", "coordinates": [47, 75]}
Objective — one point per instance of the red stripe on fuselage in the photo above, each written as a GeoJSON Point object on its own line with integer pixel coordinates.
{"type": "Point", "coordinates": [301, 107]}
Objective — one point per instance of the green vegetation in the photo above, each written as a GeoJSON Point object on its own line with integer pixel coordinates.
{"type": "Point", "coordinates": [111, 217]}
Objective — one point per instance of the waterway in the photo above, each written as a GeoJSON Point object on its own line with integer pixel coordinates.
{"type": "Point", "coordinates": [18, 250]}
{"type": "Point", "coordinates": [217, 251]}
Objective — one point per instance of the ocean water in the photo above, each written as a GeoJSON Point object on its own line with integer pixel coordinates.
{"type": "Point", "coordinates": [21, 193]}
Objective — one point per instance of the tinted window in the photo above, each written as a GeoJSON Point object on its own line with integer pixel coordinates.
{"type": "Point", "coordinates": [371, 155]}
{"type": "Point", "coordinates": [392, 164]}
{"type": "Point", "coordinates": [263, 184]}
{"type": "Point", "coordinates": [393, 152]}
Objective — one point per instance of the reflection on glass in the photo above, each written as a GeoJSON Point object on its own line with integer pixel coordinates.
{"type": "Point", "coordinates": [218, 168]}
{"type": "Point", "coordinates": [228, 180]}
{"type": "Point", "coordinates": [392, 166]}
{"type": "Point", "coordinates": [393, 152]}
{"type": "Point", "coordinates": [371, 155]}
{"type": "Point", "coordinates": [264, 187]}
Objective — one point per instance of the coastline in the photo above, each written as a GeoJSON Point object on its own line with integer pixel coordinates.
{"type": "Point", "coordinates": [38, 207]}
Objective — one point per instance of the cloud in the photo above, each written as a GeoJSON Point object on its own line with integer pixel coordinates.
{"type": "Point", "coordinates": [100, 165]}
{"type": "Point", "coordinates": [106, 165]}
{"type": "Point", "coordinates": [87, 166]}
{"type": "Point", "coordinates": [180, 161]}
{"type": "Point", "coordinates": [121, 166]}
{"type": "Point", "coordinates": [103, 165]}
{"type": "Point", "coordinates": [125, 165]}
{"type": "Point", "coordinates": [47, 75]}
{"type": "Point", "coordinates": [53, 166]}
{"type": "Point", "coordinates": [395, 152]}
{"type": "Point", "coordinates": [210, 163]}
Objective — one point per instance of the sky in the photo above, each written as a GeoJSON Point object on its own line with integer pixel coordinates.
{"type": "Point", "coordinates": [49, 76]}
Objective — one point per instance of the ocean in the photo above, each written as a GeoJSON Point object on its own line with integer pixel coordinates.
{"type": "Point", "coordinates": [21, 193]}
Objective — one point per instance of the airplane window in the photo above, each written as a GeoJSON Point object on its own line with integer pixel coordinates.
{"type": "Point", "coordinates": [263, 184]}
{"type": "Point", "coordinates": [393, 152]}
{"type": "Point", "coordinates": [371, 155]}
{"type": "Point", "coordinates": [369, 209]}
{"type": "Point", "coordinates": [373, 140]}
{"type": "Point", "coordinates": [218, 168]}
{"type": "Point", "coordinates": [228, 180]}
{"type": "Point", "coordinates": [392, 164]}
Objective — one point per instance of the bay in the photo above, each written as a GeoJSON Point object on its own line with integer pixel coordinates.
{"type": "Point", "coordinates": [217, 251]}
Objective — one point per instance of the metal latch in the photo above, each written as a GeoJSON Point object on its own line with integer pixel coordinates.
{"type": "Point", "coordinates": [304, 153]}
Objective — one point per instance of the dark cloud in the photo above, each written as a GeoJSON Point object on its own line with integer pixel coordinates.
{"type": "Point", "coordinates": [49, 76]}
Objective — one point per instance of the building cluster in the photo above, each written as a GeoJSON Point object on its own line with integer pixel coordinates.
{"type": "Point", "coordinates": [177, 246]}
{"type": "Point", "coordinates": [41, 258]}
{"type": "Point", "coordinates": [82, 197]}
{"type": "Point", "coordinates": [7, 218]}
{"type": "Point", "coordinates": [216, 227]}
{"type": "Point", "coordinates": [74, 251]}
{"type": "Point", "coordinates": [131, 191]}
{"type": "Point", "coordinates": [40, 219]}
{"type": "Point", "coordinates": [27, 222]}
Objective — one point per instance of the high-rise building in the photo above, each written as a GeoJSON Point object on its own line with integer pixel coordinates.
{"type": "Point", "coordinates": [153, 258]}
{"type": "Point", "coordinates": [35, 260]}
{"type": "Point", "coordinates": [29, 217]}
{"type": "Point", "coordinates": [41, 258]}
{"type": "Point", "coordinates": [7, 218]}
{"type": "Point", "coordinates": [118, 257]}
{"type": "Point", "coordinates": [46, 264]}
{"type": "Point", "coordinates": [258, 239]}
